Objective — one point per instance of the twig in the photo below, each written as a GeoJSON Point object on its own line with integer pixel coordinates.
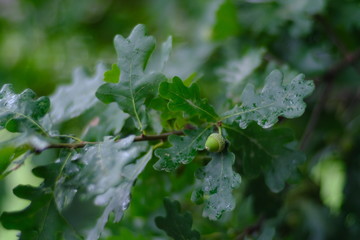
{"type": "Point", "coordinates": [140, 138]}
{"type": "Point", "coordinates": [251, 229]}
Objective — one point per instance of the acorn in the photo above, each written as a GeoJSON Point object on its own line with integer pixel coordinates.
{"type": "Point", "coordinates": [215, 142]}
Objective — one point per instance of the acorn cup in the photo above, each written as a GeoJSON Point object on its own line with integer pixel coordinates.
{"type": "Point", "coordinates": [215, 142]}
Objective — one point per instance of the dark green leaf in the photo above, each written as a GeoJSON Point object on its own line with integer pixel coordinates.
{"type": "Point", "coordinates": [268, 152]}
{"type": "Point", "coordinates": [72, 100]}
{"type": "Point", "coordinates": [183, 150]}
{"type": "Point", "coordinates": [41, 219]}
{"type": "Point", "coordinates": [272, 102]}
{"type": "Point", "coordinates": [21, 112]}
{"type": "Point", "coordinates": [217, 180]}
{"type": "Point", "coordinates": [176, 225]}
{"type": "Point", "coordinates": [187, 99]}
{"type": "Point", "coordinates": [136, 85]}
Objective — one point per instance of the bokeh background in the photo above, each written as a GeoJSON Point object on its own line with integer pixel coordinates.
{"type": "Point", "coordinates": [222, 43]}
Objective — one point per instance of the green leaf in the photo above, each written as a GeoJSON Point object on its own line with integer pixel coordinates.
{"type": "Point", "coordinates": [109, 122]}
{"type": "Point", "coordinates": [21, 112]}
{"type": "Point", "coordinates": [226, 24]}
{"type": "Point", "coordinates": [169, 120]}
{"type": "Point", "coordinates": [108, 174]}
{"type": "Point", "coordinates": [6, 157]}
{"type": "Point", "coordinates": [72, 100]}
{"type": "Point", "coordinates": [236, 72]}
{"type": "Point", "coordinates": [183, 149]}
{"type": "Point", "coordinates": [41, 219]}
{"type": "Point", "coordinates": [269, 152]}
{"type": "Point", "coordinates": [272, 102]}
{"type": "Point", "coordinates": [112, 75]}
{"type": "Point", "coordinates": [187, 99]}
{"type": "Point", "coordinates": [217, 180]}
{"type": "Point", "coordinates": [176, 225]}
{"type": "Point", "coordinates": [161, 56]}
{"type": "Point", "coordinates": [166, 48]}
{"type": "Point", "coordinates": [136, 85]}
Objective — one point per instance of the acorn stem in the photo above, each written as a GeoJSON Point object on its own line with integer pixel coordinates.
{"type": "Point", "coordinates": [220, 131]}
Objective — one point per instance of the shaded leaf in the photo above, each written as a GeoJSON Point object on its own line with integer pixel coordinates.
{"type": "Point", "coordinates": [72, 100]}
{"type": "Point", "coordinates": [21, 112]}
{"type": "Point", "coordinates": [169, 120]}
{"type": "Point", "coordinates": [176, 225]}
{"type": "Point", "coordinates": [268, 152]}
{"type": "Point", "coordinates": [217, 180]}
{"type": "Point", "coordinates": [237, 71]}
{"type": "Point", "coordinates": [187, 99]}
{"type": "Point", "coordinates": [272, 102]}
{"type": "Point", "coordinates": [41, 219]}
{"type": "Point", "coordinates": [108, 174]}
{"type": "Point", "coordinates": [136, 85]}
{"type": "Point", "coordinates": [183, 149]}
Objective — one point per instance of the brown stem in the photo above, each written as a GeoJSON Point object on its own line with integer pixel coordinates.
{"type": "Point", "coordinates": [140, 138]}
{"type": "Point", "coordinates": [348, 60]}
{"type": "Point", "coordinates": [251, 229]}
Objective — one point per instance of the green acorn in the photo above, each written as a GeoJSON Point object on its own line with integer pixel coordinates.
{"type": "Point", "coordinates": [215, 142]}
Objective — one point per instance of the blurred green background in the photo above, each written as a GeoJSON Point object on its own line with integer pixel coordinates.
{"type": "Point", "coordinates": [222, 41]}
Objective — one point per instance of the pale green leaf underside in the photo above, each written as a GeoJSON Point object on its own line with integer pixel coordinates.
{"type": "Point", "coordinates": [272, 102]}
{"type": "Point", "coordinates": [72, 100]}
{"type": "Point", "coordinates": [187, 99]}
{"type": "Point", "coordinates": [183, 149]}
{"type": "Point", "coordinates": [136, 85]}
{"type": "Point", "coordinates": [217, 180]}
{"type": "Point", "coordinates": [236, 72]}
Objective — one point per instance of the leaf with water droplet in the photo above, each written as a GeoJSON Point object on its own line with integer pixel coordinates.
{"type": "Point", "coordinates": [272, 102]}
{"type": "Point", "coordinates": [72, 100]}
{"type": "Point", "coordinates": [22, 112]}
{"type": "Point", "coordinates": [108, 171]}
{"type": "Point", "coordinates": [41, 210]}
{"type": "Point", "coordinates": [138, 84]}
{"type": "Point", "coordinates": [216, 182]}
{"type": "Point", "coordinates": [183, 149]}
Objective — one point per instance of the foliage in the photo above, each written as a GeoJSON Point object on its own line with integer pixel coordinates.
{"type": "Point", "coordinates": [176, 225]}
{"type": "Point", "coordinates": [111, 144]}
